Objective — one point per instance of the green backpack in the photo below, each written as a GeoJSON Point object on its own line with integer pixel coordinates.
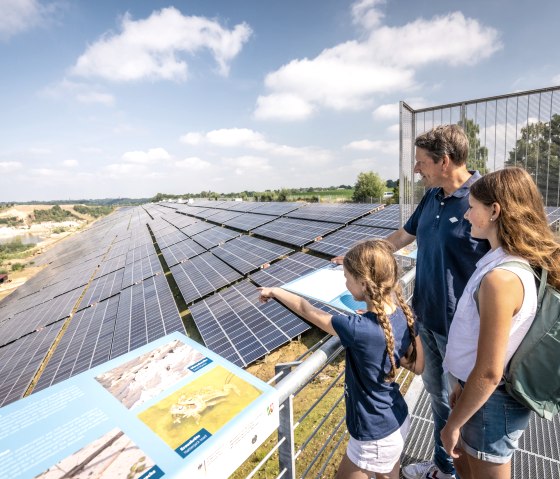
{"type": "Point", "coordinates": [532, 376]}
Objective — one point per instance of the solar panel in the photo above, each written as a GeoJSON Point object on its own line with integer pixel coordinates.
{"type": "Point", "coordinates": [288, 269]}
{"type": "Point", "coordinates": [147, 311]}
{"type": "Point", "coordinates": [181, 251]}
{"type": "Point", "coordinates": [180, 221]}
{"type": "Point", "coordinates": [196, 228]}
{"type": "Point", "coordinates": [111, 265]}
{"type": "Point", "coordinates": [334, 212]}
{"type": "Point", "coordinates": [294, 231]}
{"type": "Point", "coordinates": [215, 236]}
{"type": "Point", "coordinates": [341, 241]}
{"type": "Point", "coordinates": [117, 250]}
{"type": "Point", "coordinates": [276, 208]}
{"type": "Point", "coordinates": [39, 316]}
{"type": "Point", "coordinates": [208, 213]}
{"type": "Point", "coordinates": [140, 252]}
{"type": "Point", "coordinates": [223, 215]}
{"type": "Point", "coordinates": [176, 236]}
{"type": "Point", "coordinates": [102, 288]}
{"type": "Point", "coordinates": [388, 217]}
{"type": "Point", "coordinates": [202, 275]}
{"type": "Point", "coordinates": [242, 206]}
{"type": "Point", "coordinates": [246, 253]}
{"type": "Point", "coordinates": [20, 360]}
{"type": "Point", "coordinates": [249, 221]}
{"type": "Point", "coordinates": [236, 326]}
{"type": "Point", "coordinates": [140, 270]}
{"type": "Point", "coordinates": [85, 343]}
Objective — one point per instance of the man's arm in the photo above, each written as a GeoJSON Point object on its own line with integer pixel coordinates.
{"type": "Point", "coordinates": [400, 238]}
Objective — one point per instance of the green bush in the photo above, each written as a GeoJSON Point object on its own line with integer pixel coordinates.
{"type": "Point", "coordinates": [55, 214]}
{"type": "Point", "coordinates": [95, 211]}
{"type": "Point", "coordinates": [18, 266]}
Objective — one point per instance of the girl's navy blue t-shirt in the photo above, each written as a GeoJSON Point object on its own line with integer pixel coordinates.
{"type": "Point", "coordinates": [374, 408]}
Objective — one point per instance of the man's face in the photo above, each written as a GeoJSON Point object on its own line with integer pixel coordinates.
{"type": "Point", "coordinates": [430, 172]}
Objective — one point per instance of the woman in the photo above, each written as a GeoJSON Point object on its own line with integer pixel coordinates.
{"type": "Point", "coordinates": [486, 423]}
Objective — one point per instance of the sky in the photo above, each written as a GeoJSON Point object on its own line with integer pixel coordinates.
{"type": "Point", "coordinates": [128, 98]}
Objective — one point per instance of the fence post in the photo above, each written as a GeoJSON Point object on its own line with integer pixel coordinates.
{"type": "Point", "coordinates": [286, 450]}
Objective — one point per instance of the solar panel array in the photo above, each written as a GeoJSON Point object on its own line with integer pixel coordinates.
{"type": "Point", "coordinates": [249, 221]}
{"type": "Point", "coordinates": [341, 241]}
{"type": "Point", "coordinates": [335, 213]}
{"type": "Point", "coordinates": [202, 275]}
{"type": "Point", "coordinates": [215, 236]}
{"type": "Point", "coordinates": [294, 231]}
{"type": "Point", "coordinates": [246, 253]}
{"type": "Point", "coordinates": [236, 326]}
{"type": "Point", "coordinates": [389, 217]}
{"type": "Point", "coordinates": [106, 285]}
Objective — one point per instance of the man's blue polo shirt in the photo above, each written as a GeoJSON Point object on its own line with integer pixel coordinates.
{"type": "Point", "coordinates": [446, 254]}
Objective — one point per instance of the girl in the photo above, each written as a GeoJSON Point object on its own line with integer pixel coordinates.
{"type": "Point", "coordinates": [485, 424]}
{"type": "Point", "coordinates": [377, 343]}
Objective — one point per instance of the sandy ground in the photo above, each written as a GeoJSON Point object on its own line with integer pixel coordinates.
{"type": "Point", "coordinates": [44, 230]}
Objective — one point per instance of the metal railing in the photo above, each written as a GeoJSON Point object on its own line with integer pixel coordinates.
{"type": "Point", "coordinates": [328, 433]}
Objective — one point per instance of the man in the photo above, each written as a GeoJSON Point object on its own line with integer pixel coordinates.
{"type": "Point", "coordinates": [446, 259]}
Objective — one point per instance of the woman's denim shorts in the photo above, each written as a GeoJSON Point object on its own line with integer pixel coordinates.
{"type": "Point", "coordinates": [492, 433]}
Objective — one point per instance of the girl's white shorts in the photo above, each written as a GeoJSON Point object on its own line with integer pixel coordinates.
{"type": "Point", "coordinates": [381, 455]}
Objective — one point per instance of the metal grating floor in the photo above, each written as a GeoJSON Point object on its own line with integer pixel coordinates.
{"type": "Point", "coordinates": [539, 449]}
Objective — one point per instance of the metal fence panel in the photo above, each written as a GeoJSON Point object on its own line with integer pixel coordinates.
{"type": "Point", "coordinates": [519, 129]}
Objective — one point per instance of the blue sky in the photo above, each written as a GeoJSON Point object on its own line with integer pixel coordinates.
{"type": "Point", "coordinates": [127, 98]}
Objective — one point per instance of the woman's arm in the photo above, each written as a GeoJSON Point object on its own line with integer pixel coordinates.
{"type": "Point", "coordinates": [500, 297]}
{"type": "Point", "coordinates": [417, 367]}
{"type": "Point", "coordinates": [299, 306]}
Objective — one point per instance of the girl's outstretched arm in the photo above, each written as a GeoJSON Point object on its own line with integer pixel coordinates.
{"type": "Point", "coordinates": [417, 367]}
{"type": "Point", "coordinates": [299, 306]}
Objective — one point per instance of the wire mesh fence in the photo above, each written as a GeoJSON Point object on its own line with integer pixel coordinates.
{"type": "Point", "coordinates": [519, 129]}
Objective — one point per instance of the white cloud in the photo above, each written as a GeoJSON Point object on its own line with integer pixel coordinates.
{"type": "Point", "coordinates": [192, 138]}
{"type": "Point", "coordinates": [18, 16]}
{"type": "Point", "coordinates": [388, 147]}
{"type": "Point", "coordinates": [9, 166]}
{"type": "Point", "coordinates": [348, 76]}
{"type": "Point", "coordinates": [232, 137]}
{"type": "Point", "coordinates": [386, 112]}
{"type": "Point", "coordinates": [192, 163]}
{"type": "Point", "coordinates": [70, 163]}
{"type": "Point", "coordinates": [365, 14]}
{"type": "Point", "coordinates": [285, 106]}
{"type": "Point", "coordinates": [151, 48]}
{"type": "Point", "coordinates": [153, 155]}
{"type": "Point", "coordinates": [244, 138]}
{"type": "Point", "coordinates": [82, 92]}
{"type": "Point", "coordinates": [116, 170]}
{"type": "Point", "coordinates": [248, 165]}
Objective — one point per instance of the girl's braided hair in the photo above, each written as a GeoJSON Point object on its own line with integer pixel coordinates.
{"type": "Point", "coordinates": [373, 263]}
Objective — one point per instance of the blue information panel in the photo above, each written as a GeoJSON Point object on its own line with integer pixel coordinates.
{"type": "Point", "coordinates": [171, 408]}
{"type": "Point", "coordinates": [327, 285]}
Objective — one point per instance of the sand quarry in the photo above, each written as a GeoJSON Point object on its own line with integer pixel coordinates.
{"type": "Point", "coordinates": [42, 230]}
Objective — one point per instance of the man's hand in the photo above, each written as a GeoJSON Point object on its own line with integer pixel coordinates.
{"type": "Point", "coordinates": [337, 260]}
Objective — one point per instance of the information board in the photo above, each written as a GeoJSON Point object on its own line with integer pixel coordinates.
{"type": "Point", "coordinates": [171, 408]}
{"type": "Point", "coordinates": [327, 285]}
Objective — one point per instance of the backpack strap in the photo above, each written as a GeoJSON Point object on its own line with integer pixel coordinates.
{"type": "Point", "coordinates": [541, 280]}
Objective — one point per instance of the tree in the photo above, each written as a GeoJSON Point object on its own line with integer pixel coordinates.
{"type": "Point", "coordinates": [538, 151]}
{"type": "Point", "coordinates": [369, 186]}
{"type": "Point", "coordinates": [478, 155]}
